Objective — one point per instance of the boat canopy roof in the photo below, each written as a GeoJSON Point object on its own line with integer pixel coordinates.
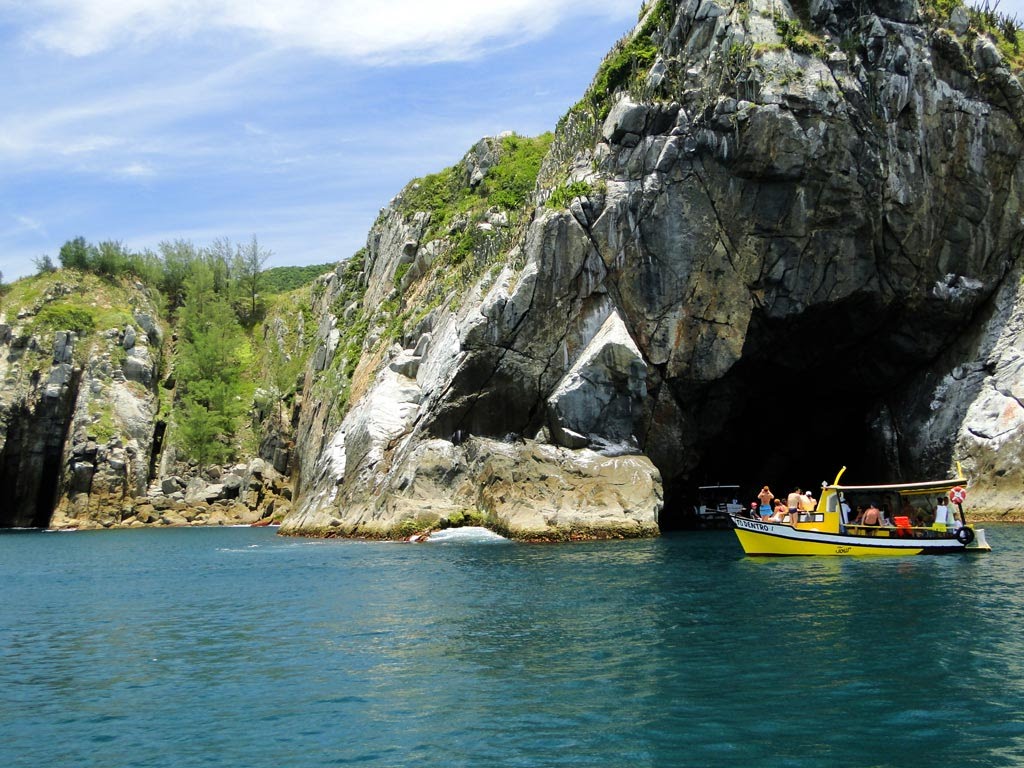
{"type": "Point", "coordinates": [905, 489]}
{"type": "Point", "coordinates": [716, 487]}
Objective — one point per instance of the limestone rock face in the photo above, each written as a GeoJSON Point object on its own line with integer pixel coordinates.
{"type": "Point", "coordinates": [602, 394]}
{"type": "Point", "coordinates": [974, 395]}
{"type": "Point", "coordinates": [76, 406]}
{"type": "Point", "coordinates": [110, 435]}
{"type": "Point", "coordinates": [524, 489]}
{"type": "Point", "coordinates": [784, 262]}
{"type": "Point", "coordinates": [371, 477]}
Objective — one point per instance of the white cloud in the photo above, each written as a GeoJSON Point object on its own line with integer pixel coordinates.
{"type": "Point", "coordinates": [121, 115]}
{"type": "Point", "coordinates": [25, 224]}
{"type": "Point", "coordinates": [136, 171]}
{"type": "Point", "coordinates": [374, 31]}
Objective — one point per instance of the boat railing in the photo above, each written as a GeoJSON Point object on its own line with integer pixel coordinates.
{"type": "Point", "coordinates": [911, 531]}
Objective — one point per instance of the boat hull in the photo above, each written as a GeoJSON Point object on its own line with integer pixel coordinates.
{"type": "Point", "coordinates": [760, 538]}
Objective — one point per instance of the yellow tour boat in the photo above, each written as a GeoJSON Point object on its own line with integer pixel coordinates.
{"type": "Point", "coordinates": [830, 529]}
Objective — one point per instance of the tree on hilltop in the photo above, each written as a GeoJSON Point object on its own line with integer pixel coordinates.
{"type": "Point", "coordinates": [250, 260]}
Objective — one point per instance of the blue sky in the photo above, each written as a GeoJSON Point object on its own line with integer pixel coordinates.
{"type": "Point", "coordinates": [150, 120]}
{"type": "Point", "coordinates": [291, 120]}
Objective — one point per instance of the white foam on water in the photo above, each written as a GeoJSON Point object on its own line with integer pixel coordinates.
{"type": "Point", "coordinates": [470, 534]}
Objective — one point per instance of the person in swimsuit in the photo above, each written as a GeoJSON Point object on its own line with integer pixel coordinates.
{"type": "Point", "coordinates": [793, 501]}
{"type": "Point", "coordinates": [765, 497]}
{"type": "Point", "coordinates": [871, 516]}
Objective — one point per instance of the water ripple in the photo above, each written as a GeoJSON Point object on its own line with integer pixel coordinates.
{"type": "Point", "coordinates": [195, 647]}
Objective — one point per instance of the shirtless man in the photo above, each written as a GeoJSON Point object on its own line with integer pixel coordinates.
{"type": "Point", "coordinates": [871, 516]}
{"type": "Point", "coordinates": [793, 501]}
{"type": "Point", "coordinates": [765, 497]}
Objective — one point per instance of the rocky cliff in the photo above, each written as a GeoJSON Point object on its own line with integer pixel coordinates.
{"type": "Point", "coordinates": [770, 241]}
{"type": "Point", "coordinates": [84, 404]}
{"type": "Point", "coordinates": [77, 408]}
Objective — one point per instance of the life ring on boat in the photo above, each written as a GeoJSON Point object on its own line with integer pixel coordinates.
{"type": "Point", "coordinates": [958, 495]}
{"type": "Point", "coordinates": [965, 536]}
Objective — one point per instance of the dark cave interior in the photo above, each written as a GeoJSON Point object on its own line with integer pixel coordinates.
{"type": "Point", "coordinates": [796, 409]}
{"type": "Point", "coordinates": [30, 466]}
{"type": "Point", "coordinates": [782, 435]}
{"type": "Point", "coordinates": [31, 458]}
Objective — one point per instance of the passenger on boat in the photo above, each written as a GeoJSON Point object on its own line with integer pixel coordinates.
{"type": "Point", "coordinates": [942, 516]}
{"type": "Point", "coordinates": [907, 510]}
{"type": "Point", "coordinates": [956, 519]}
{"type": "Point", "coordinates": [844, 511]}
{"type": "Point", "coordinates": [765, 497]}
{"type": "Point", "coordinates": [809, 503]}
{"type": "Point", "coordinates": [794, 502]}
{"type": "Point", "coordinates": [871, 516]}
{"type": "Point", "coordinates": [780, 512]}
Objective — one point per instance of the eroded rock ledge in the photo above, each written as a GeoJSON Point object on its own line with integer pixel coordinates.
{"type": "Point", "coordinates": [523, 489]}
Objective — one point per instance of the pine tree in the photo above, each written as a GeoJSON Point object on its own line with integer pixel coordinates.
{"type": "Point", "coordinates": [250, 260]}
{"type": "Point", "coordinates": [209, 369]}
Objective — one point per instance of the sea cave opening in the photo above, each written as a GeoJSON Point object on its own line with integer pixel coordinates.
{"type": "Point", "coordinates": [783, 436]}
{"type": "Point", "coordinates": [30, 463]}
{"type": "Point", "coordinates": [795, 409]}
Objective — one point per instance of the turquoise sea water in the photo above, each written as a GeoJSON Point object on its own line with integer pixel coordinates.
{"type": "Point", "coordinates": [235, 647]}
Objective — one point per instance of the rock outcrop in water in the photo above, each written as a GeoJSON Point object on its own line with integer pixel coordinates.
{"type": "Point", "coordinates": [770, 251]}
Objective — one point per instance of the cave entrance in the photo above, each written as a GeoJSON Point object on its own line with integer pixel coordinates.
{"type": "Point", "coordinates": [158, 443]}
{"type": "Point", "coordinates": [794, 410]}
{"type": "Point", "coordinates": [783, 436]}
{"type": "Point", "coordinates": [32, 456]}
{"type": "Point", "coordinates": [31, 462]}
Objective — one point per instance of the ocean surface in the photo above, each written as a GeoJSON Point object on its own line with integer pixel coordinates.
{"type": "Point", "coordinates": [237, 647]}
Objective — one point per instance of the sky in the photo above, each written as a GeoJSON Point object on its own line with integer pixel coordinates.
{"type": "Point", "coordinates": [143, 121]}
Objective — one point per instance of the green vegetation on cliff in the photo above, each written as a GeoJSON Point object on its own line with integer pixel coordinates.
{"type": "Point", "coordinates": [213, 298]}
{"type": "Point", "coordinates": [629, 60]}
{"type": "Point", "coordinates": [209, 361]}
{"type": "Point", "coordinates": [563, 195]}
{"type": "Point", "coordinates": [472, 219]}
{"type": "Point", "coordinates": [277, 280]}
{"type": "Point", "coordinates": [67, 300]}
{"type": "Point", "coordinates": [506, 185]}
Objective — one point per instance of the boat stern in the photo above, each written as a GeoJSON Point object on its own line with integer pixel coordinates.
{"type": "Point", "coordinates": [980, 543]}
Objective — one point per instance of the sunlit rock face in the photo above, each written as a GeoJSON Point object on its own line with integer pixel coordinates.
{"type": "Point", "coordinates": [775, 262]}
{"type": "Point", "coordinates": [77, 407]}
